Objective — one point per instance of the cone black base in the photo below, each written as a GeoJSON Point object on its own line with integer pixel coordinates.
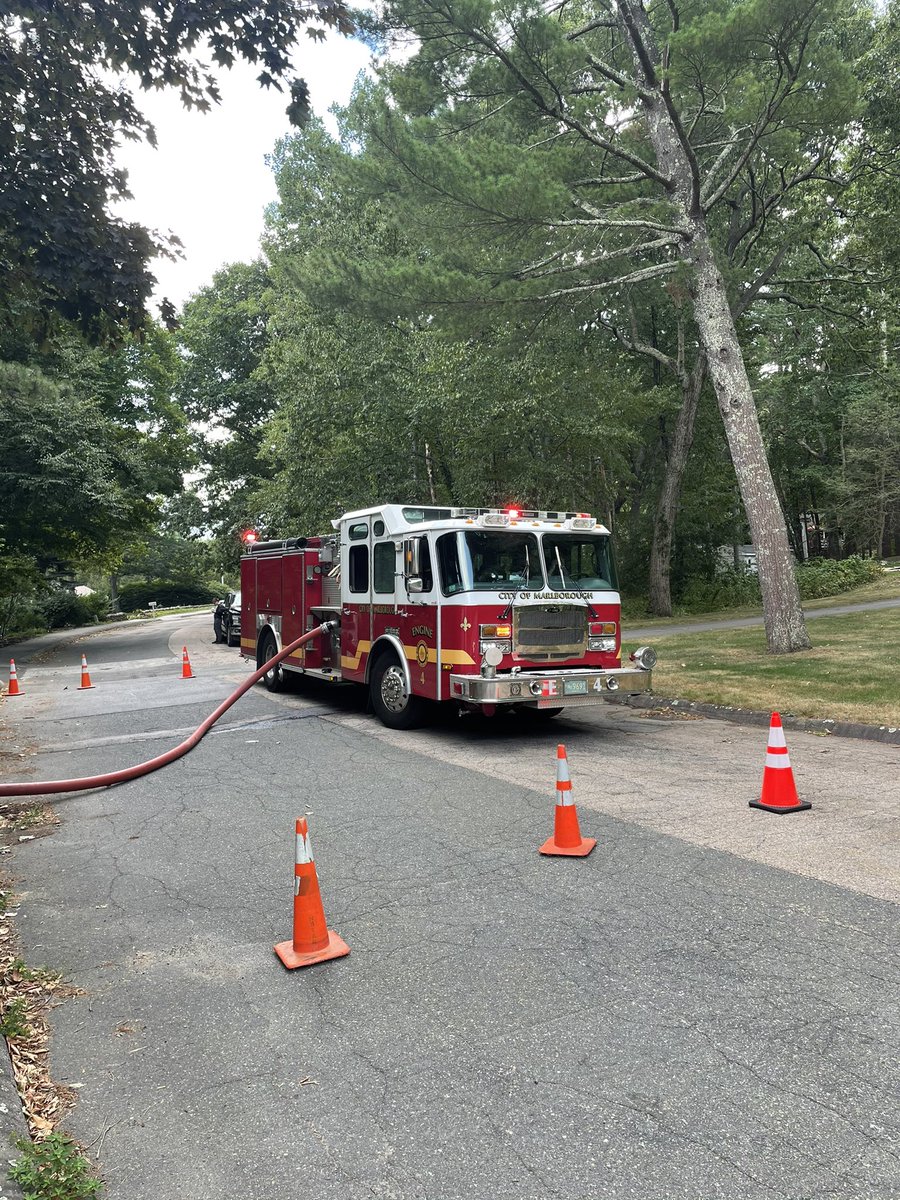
{"type": "Point", "coordinates": [804, 804]}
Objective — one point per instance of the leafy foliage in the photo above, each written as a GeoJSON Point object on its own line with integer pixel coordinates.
{"type": "Point", "coordinates": [166, 593]}
{"type": "Point", "coordinates": [62, 113]}
{"type": "Point", "coordinates": [54, 1169]}
{"type": "Point", "coordinates": [63, 492]}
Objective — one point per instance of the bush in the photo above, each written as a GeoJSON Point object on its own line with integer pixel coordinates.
{"type": "Point", "coordinates": [831, 576]}
{"type": "Point", "coordinates": [166, 592]}
{"type": "Point", "coordinates": [62, 608]}
{"type": "Point", "coordinates": [729, 588]}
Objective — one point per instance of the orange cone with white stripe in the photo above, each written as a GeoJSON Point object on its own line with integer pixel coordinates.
{"type": "Point", "coordinates": [14, 689]}
{"type": "Point", "coordinates": [567, 837]}
{"type": "Point", "coordinates": [85, 677]}
{"type": "Point", "coordinates": [186, 672]}
{"type": "Point", "coordinates": [313, 941]}
{"type": "Point", "coordinates": [779, 792]}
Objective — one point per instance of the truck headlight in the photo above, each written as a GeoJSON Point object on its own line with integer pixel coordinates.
{"type": "Point", "coordinates": [644, 657]}
{"type": "Point", "coordinates": [504, 646]}
{"type": "Point", "coordinates": [601, 643]}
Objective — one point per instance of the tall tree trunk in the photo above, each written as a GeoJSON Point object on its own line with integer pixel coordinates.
{"type": "Point", "coordinates": [114, 592]}
{"type": "Point", "coordinates": [429, 468]}
{"type": "Point", "coordinates": [782, 611]}
{"type": "Point", "coordinates": [670, 494]}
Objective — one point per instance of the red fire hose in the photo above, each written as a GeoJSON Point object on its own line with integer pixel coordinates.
{"type": "Point", "coordinates": [41, 788]}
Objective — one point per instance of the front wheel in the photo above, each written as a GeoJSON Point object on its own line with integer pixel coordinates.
{"type": "Point", "coordinates": [274, 677]}
{"type": "Point", "coordinates": [394, 704]}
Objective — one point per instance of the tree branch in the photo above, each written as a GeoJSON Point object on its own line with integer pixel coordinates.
{"type": "Point", "coordinates": [537, 271]}
{"type": "Point", "coordinates": [607, 223]}
{"type": "Point", "coordinates": [599, 23]}
{"type": "Point", "coordinates": [604, 285]}
{"type": "Point", "coordinates": [617, 77]}
{"type": "Point", "coordinates": [778, 97]}
{"type": "Point", "coordinates": [608, 182]}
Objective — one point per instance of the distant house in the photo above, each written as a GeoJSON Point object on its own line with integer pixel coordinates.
{"type": "Point", "coordinates": [745, 557]}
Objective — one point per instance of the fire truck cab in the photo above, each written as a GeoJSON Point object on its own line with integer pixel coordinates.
{"type": "Point", "coordinates": [477, 607]}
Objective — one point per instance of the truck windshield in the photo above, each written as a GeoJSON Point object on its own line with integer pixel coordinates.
{"type": "Point", "coordinates": [489, 562]}
{"type": "Point", "coordinates": [586, 562]}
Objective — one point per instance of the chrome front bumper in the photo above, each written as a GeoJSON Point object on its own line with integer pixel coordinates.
{"type": "Point", "coordinates": [551, 689]}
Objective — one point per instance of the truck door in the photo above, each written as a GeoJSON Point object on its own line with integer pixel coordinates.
{"type": "Point", "coordinates": [356, 598]}
{"type": "Point", "coordinates": [419, 620]}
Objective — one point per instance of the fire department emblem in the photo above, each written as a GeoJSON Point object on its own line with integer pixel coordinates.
{"type": "Point", "coordinates": [422, 653]}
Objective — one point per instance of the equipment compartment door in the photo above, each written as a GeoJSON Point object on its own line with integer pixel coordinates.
{"type": "Point", "coordinates": [293, 623]}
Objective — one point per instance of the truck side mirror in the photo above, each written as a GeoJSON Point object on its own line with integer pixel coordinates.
{"type": "Point", "coordinates": [415, 584]}
{"type": "Point", "coordinates": [412, 557]}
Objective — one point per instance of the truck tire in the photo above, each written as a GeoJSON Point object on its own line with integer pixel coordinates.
{"type": "Point", "coordinates": [274, 677]}
{"type": "Point", "coordinates": [394, 706]}
{"type": "Point", "coordinates": [232, 638]}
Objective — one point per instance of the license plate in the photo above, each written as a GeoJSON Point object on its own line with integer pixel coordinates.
{"type": "Point", "coordinates": [575, 687]}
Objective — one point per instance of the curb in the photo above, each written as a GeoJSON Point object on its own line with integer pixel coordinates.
{"type": "Point", "coordinates": [12, 1124]}
{"type": "Point", "coordinates": [888, 734]}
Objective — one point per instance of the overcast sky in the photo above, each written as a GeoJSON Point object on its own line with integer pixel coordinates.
{"type": "Point", "coordinates": [207, 181]}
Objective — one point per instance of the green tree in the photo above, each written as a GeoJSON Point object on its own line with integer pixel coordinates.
{"type": "Point", "coordinates": [62, 111]}
{"type": "Point", "coordinates": [71, 486]}
{"type": "Point", "coordinates": [587, 155]}
{"type": "Point", "coordinates": [371, 409]}
{"type": "Point", "coordinates": [223, 335]}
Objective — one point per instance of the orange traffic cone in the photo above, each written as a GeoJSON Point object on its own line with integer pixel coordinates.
{"type": "Point", "coordinates": [186, 672]}
{"type": "Point", "coordinates": [779, 792]}
{"type": "Point", "coordinates": [14, 689]}
{"type": "Point", "coordinates": [567, 837]}
{"type": "Point", "coordinates": [85, 677]}
{"type": "Point", "coordinates": [313, 941]}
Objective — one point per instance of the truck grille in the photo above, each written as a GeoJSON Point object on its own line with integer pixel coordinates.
{"type": "Point", "coordinates": [550, 631]}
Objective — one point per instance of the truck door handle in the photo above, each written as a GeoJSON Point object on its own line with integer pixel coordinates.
{"type": "Point", "coordinates": [345, 612]}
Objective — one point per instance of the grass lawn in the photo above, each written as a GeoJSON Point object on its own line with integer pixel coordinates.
{"type": "Point", "coordinates": [851, 674]}
{"type": "Point", "coordinates": [886, 588]}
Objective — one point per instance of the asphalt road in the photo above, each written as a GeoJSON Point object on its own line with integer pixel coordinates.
{"type": "Point", "coordinates": [707, 1006]}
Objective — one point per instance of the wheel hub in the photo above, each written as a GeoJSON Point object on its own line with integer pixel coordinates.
{"type": "Point", "coordinates": [393, 690]}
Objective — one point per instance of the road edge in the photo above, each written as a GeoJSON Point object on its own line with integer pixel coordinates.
{"type": "Point", "coordinates": [888, 734]}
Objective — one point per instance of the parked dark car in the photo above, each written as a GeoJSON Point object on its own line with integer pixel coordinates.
{"type": "Point", "coordinates": [227, 619]}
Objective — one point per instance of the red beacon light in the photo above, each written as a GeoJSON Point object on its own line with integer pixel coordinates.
{"type": "Point", "coordinates": [249, 536]}
{"type": "Point", "coordinates": [513, 513]}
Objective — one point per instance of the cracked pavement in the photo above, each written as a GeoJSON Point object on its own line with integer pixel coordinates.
{"type": "Point", "coordinates": [707, 1006]}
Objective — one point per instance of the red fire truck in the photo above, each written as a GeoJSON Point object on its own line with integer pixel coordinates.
{"type": "Point", "coordinates": [477, 607]}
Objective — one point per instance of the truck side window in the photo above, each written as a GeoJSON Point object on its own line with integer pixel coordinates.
{"type": "Point", "coordinates": [359, 568]}
{"type": "Point", "coordinates": [385, 558]}
{"type": "Point", "coordinates": [425, 564]}
{"type": "Point", "coordinates": [448, 557]}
